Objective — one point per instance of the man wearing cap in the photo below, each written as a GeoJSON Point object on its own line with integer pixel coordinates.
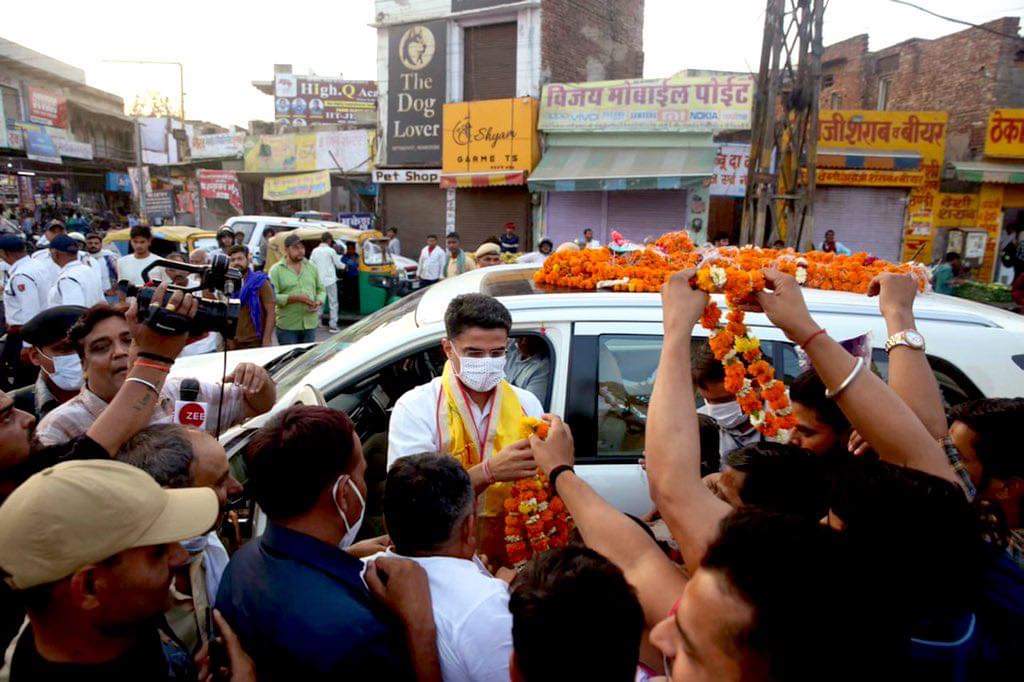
{"type": "Point", "coordinates": [42, 255]}
{"type": "Point", "coordinates": [25, 294]}
{"type": "Point", "coordinates": [77, 283]}
{"type": "Point", "coordinates": [328, 261]}
{"type": "Point", "coordinates": [225, 240]}
{"type": "Point", "coordinates": [487, 255]}
{"type": "Point", "coordinates": [509, 240]}
{"type": "Point", "coordinates": [299, 294]}
{"type": "Point", "coordinates": [60, 368]}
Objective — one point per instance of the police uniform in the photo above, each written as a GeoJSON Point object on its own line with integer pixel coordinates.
{"type": "Point", "coordinates": [23, 299]}
{"type": "Point", "coordinates": [77, 284]}
{"type": "Point", "coordinates": [49, 270]}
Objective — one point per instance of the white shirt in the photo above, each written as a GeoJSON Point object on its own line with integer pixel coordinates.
{"type": "Point", "coordinates": [326, 261]}
{"type": "Point", "coordinates": [24, 292]}
{"type": "Point", "coordinates": [432, 263]}
{"type": "Point", "coordinates": [99, 264]}
{"type": "Point", "coordinates": [593, 244]}
{"type": "Point", "coordinates": [208, 344]}
{"type": "Point", "coordinates": [130, 268]}
{"type": "Point", "coordinates": [533, 257]}
{"type": "Point", "coordinates": [50, 269]}
{"type": "Point", "coordinates": [414, 420]}
{"type": "Point", "coordinates": [77, 284]}
{"type": "Point", "coordinates": [471, 616]}
{"type": "Point", "coordinates": [395, 247]}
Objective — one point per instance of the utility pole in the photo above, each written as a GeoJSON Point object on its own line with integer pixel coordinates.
{"type": "Point", "coordinates": [784, 133]}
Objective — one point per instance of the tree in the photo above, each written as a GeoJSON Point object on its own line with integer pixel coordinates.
{"type": "Point", "coordinates": [152, 104]}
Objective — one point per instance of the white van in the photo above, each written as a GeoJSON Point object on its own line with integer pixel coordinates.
{"type": "Point", "coordinates": [253, 227]}
{"type": "Point", "coordinates": [604, 349]}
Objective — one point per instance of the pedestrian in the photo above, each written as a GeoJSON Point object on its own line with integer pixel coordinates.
{"type": "Point", "coordinates": [458, 261]}
{"type": "Point", "coordinates": [509, 240]}
{"type": "Point", "coordinates": [944, 274]}
{"type": "Point", "coordinates": [60, 369]}
{"type": "Point", "coordinates": [432, 261]}
{"type": "Point", "coordinates": [42, 255]}
{"type": "Point", "coordinates": [130, 267]}
{"type": "Point", "coordinates": [25, 296]}
{"type": "Point", "coordinates": [225, 240]}
{"type": "Point", "coordinates": [394, 244]}
{"type": "Point", "coordinates": [105, 260]}
{"type": "Point", "coordinates": [77, 283]}
{"type": "Point", "coordinates": [257, 315]}
{"type": "Point", "coordinates": [540, 255]}
{"type": "Point", "coordinates": [327, 261]}
{"type": "Point", "coordinates": [588, 241]}
{"type": "Point", "coordinates": [487, 255]}
{"type": "Point", "coordinates": [734, 428]}
{"type": "Point", "coordinates": [350, 279]}
{"type": "Point", "coordinates": [830, 245]}
{"type": "Point", "coordinates": [1012, 255]}
{"type": "Point", "coordinates": [299, 294]}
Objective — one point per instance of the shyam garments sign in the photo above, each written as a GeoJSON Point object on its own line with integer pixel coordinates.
{"type": "Point", "coordinates": [490, 137]}
{"type": "Point", "coordinates": [417, 61]}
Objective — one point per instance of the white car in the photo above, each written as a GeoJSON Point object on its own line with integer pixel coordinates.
{"type": "Point", "coordinates": [604, 348]}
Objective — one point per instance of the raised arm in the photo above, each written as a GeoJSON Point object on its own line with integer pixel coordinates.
{"type": "Point", "coordinates": [874, 409]}
{"type": "Point", "coordinates": [606, 530]}
{"type": "Point", "coordinates": [691, 511]}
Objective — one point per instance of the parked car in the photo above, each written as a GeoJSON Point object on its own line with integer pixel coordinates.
{"type": "Point", "coordinates": [604, 348]}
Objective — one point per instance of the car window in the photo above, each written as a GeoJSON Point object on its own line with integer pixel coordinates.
{"type": "Point", "coordinates": [245, 227]}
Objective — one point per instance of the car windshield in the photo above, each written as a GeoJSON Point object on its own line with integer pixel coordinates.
{"type": "Point", "coordinates": [292, 373]}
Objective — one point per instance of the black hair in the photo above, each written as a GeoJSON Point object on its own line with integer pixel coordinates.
{"type": "Point", "coordinates": [431, 236]}
{"type": "Point", "coordinates": [782, 478]}
{"type": "Point", "coordinates": [426, 497]}
{"type": "Point", "coordinates": [391, 229]}
{"type": "Point", "coordinates": [475, 310]}
{"type": "Point", "coordinates": [238, 248]}
{"type": "Point", "coordinates": [808, 390]}
{"type": "Point", "coordinates": [704, 368]}
{"type": "Point", "coordinates": [88, 321]}
{"type": "Point", "coordinates": [546, 241]}
{"type": "Point", "coordinates": [950, 257]}
{"type": "Point", "coordinates": [588, 229]}
{"type": "Point", "coordinates": [574, 617]}
{"type": "Point", "coordinates": [453, 235]}
{"type": "Point", "coordinates": [299, 454]}
{"type": "Point", "coordinates": [996, 424]}
{"type": "Point", "coordinates": [325, 237]}
{"type": "Point", "coordinates": [140, 231]}
{"type": "Point", "coordinates": [92, 235]}
{"type": "Point", "coordinates": [710, 441]}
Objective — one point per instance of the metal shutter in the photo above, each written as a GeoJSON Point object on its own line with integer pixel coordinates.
{"type": "Point", "coordinates": [489, 67]}
{"type": "Point", "coordinates": [482, 212]}
{"type": "Point", "coordinates": [568, 213]}
{"type": "Point", "coordinates": [645, 213]}
{"type": "Point", "coordinates": [869, 219]}
{"type": "Point", "coordinates": [416, 210]}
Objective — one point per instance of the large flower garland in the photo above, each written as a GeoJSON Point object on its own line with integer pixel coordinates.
{"type": "Point", "coordinates": [738, 274]}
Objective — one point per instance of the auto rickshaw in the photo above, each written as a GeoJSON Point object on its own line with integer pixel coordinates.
{"type": "Point", "coordinates": [166, 239]}
{"type": "Point", "coordinates": [377, 271]}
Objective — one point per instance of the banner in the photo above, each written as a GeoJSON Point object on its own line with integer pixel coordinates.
{"type": "Point", "coordinates": [1005, 134]}
{"type": "Point", "coordinates": [47, 108]}
{"type": "Point", "coordinates": [73, 149]}
{"type": "Point", "coordinates": [490, 136]}
{"type": "Point", "coordinates": [678, 103]}
{"type": "Point", "coordinates": [118, 182]}
{"type": "Point", "coordinates": [417, 80]}
{"type": "Point", "coordinates": [868, 178]}
{"type": "Point", "coordinates": [729, 176]}
{"type": "Point", "coordinates": [956, 210]}
{"type": "Point", "coordinates": [39, 146]}
{"type": "Point", "coordinates": [310, 152]}
{"type": "Point", "coordinates": [140, 180]}
{"type": "Point", "coordinates": [220, 184]}
{"type": "Point", "coordinates": [351, 150]}
{"type": "Point", "coordinates": [303, 186]}
{"type": "Point", "coordinates": [216, 146]}
{"type": "Point", "coordinates": [309, 100]}
{"type": "Point", "coordinates": [160, 204]}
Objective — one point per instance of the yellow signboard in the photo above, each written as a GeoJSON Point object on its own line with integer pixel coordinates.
{"type": "Point", "coordinates": [870, 178]}
{"type": "Point", "coordinates": [1005, 136]}
{"type": "Point", "coordinates": [490, 136]}
{"type": "Point", "coordinates": [301, 186]}
{"type": "Point", "coordinates": [955, 210]}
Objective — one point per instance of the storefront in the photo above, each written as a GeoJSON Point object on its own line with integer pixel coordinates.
{"type": "Point", "coordinates": [412, 201]}
{"type": "Point", "coordinates": [728, 188]}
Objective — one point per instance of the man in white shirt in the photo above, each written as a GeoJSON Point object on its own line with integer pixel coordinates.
{"type": "Point", "coordinates": [24, 297]}
{"type": "Point", "coordinates": [394, 245]}
{"type": "Point", "coordinates": [432, 261]}
{"type": "Point", "coordinates": [42, 254]}
{"type": "Point", "coordinates": [95, 263]}
{"type": "Point", "coordinates": [327, 262]}
{"type": "Point", "coordinates": [428, 511]}
{"type": "Point", "coordinates": [130, 267]}
{"type": "Point", "coordinates": [588, 240]}
{"type": "Point", "coordinates": [225, 240]}
{"type": "Point", "coordinates": [77, 283]}
{"type": "Point", "coordinates": [106, 261]}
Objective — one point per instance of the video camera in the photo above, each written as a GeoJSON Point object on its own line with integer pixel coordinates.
{"type": "Point", "coordinates": [212, 315]}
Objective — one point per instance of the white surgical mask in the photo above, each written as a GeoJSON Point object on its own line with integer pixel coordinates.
{"type": "Point", "coordinates": [67, 371]}
{"type": "Point", "coordinates": [351, 531]}
{"type": "Point", "coordinates": [481, 374]}
{"type": "Point", "coordinates": [728, 415]}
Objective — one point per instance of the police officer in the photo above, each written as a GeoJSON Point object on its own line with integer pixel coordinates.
{"type": "Point", "coordinates": [77, 283]}
{"type": "Point", "coordinates": [24, 297]}
{"type": "Point", "coordinates": [60, 376]}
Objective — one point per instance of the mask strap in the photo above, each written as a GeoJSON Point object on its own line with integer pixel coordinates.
{"type": "Point", "coordinates": [334, 497]}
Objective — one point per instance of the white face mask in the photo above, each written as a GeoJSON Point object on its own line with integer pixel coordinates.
{"type": "Point", "coordinates": [481, 374]}
{"type": "Point", "coordinates": [351, 531]}
{"type": "Point", "coordinates": [728, 415]}
{"type": "Point", "coordinates": [67, 371]}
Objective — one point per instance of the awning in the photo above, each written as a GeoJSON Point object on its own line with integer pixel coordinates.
{"type": "Point", "coordinates": [864, 159]}
{"type": "Point", "coordinates": [578, 169]}
{"type": "Point", "coordinates": [450, 180]}
{"type": "Point", "coordinates": [989, 171]}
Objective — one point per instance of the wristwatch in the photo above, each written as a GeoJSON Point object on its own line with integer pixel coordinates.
{"type": "Point", "coordinates": [910, 338]}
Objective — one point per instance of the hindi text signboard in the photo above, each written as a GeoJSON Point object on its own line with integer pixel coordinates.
{"type": "Point", "coordinates": [1005, 135]}
{"type": "Point", "coordinates": [220, 184]}
{"type": "Point", "coordinates": [729, 176]}
{"type": "Point", "coordinates": [301, 186]}
{"type": "Point", "coordinates": [218, 145]}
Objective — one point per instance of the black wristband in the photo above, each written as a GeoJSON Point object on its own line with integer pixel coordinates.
{"type": "Point", "coordinates": [558, 471]}
{"type": "Point", "coordinates": [155, 357]}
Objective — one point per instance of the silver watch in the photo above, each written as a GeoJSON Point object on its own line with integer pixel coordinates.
{"type": "Point", "coordinates": [910, 338]}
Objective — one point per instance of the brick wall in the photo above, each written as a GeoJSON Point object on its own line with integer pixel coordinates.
{"type": "Point", "coordinates": [843, 64]}
{"type": "Point", "coordinates": [583, 40]}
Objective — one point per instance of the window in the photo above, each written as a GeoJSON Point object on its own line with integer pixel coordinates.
{"type": "Point", "coordinates": [883, 94]}
{"type": "Point", "coordinates": [489, 62]}
{"type": "Point", "coordinates": [374, 253]}
{"type": "Point", "coordinates": [828, 80]}
{"type": "Point", "coordinates": [835, 101]}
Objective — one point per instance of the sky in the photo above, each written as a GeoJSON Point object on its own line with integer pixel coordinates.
{"type": "Point", "coordinates": [224, 46]}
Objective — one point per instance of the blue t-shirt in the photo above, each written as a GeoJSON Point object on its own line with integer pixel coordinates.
{"type": "Point", "coordinates": [509, 243]}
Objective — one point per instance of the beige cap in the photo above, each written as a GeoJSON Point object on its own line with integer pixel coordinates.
{"type": "Point", "coordinates": [81, 512]}
{"type": "Point", "coordinates": [487, 248]}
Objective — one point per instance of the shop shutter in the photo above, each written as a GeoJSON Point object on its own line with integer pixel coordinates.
{"type": "Point", "coordinates": [416, 210]}
{"type": "Point", "coordinates": [645, 213]}
{"type": "Point", "coordinates": [568, 213]}
{"type": "Point", "coordinates": [489, 67]}
{"type": "Point", "coordinates": [482, 212]}
{"type": "Point", "coordinates": [869, 219]}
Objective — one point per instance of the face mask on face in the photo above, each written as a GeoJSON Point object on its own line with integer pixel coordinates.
{"type": "Point", "coordinates": [728, 415]}
{"type": "Point", "coordinates": [351, 531]}
{"type": "Point", "coordinates": [67, 371]}
{"type": "Point", "coordinates": [481, 374]}
{"type": "Point", "coordinates": [195, 546]}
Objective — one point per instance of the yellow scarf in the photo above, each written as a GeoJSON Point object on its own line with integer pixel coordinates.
{"type": "Point", "coordinates": [459, 438]}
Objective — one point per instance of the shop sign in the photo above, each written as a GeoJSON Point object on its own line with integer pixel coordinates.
{"type": "Point", "coordinates": [956, 210]}
{"type": "Point", "coordinates": [729, 176]}
{"type": "Point", "coordinates": [216, 146]}
{"type": "Point", "coordinates": [160, 204]}
{"type": "Point", "coordinates": [407, 176]}
{"type": "Point", "coordinates": [417, 64]}
{"type": "Point", "coordinates": [360, 221]}
{"type": "Point", "coordinates": [490, 136]}
{"type": "Point", "coordinates": [118, 182]}
{"type": "Point", "coordinates": [348, 151]}
{"type": "Point", "coordinates": [73, 149]}
{"type": "Point", "coordinates": [47, 108]}
{"type": "Point", "coordinates": [869, 178]}
{"type": "Point", "coordinates": [677, 104]}
{"type": "Point", "coordinates": [302, 186]}
{"type": "Point", "coordinates": [1005, 135]}
{"type": "Point", "coordinates": [220, 184]}
{"type": "Point", "coordinates": [310, 100]}
{"type": "Point", "coordinates": [39, 146]}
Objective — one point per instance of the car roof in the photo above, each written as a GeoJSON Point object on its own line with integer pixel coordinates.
{"type": "Point", "coordinates": [514, 285]}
